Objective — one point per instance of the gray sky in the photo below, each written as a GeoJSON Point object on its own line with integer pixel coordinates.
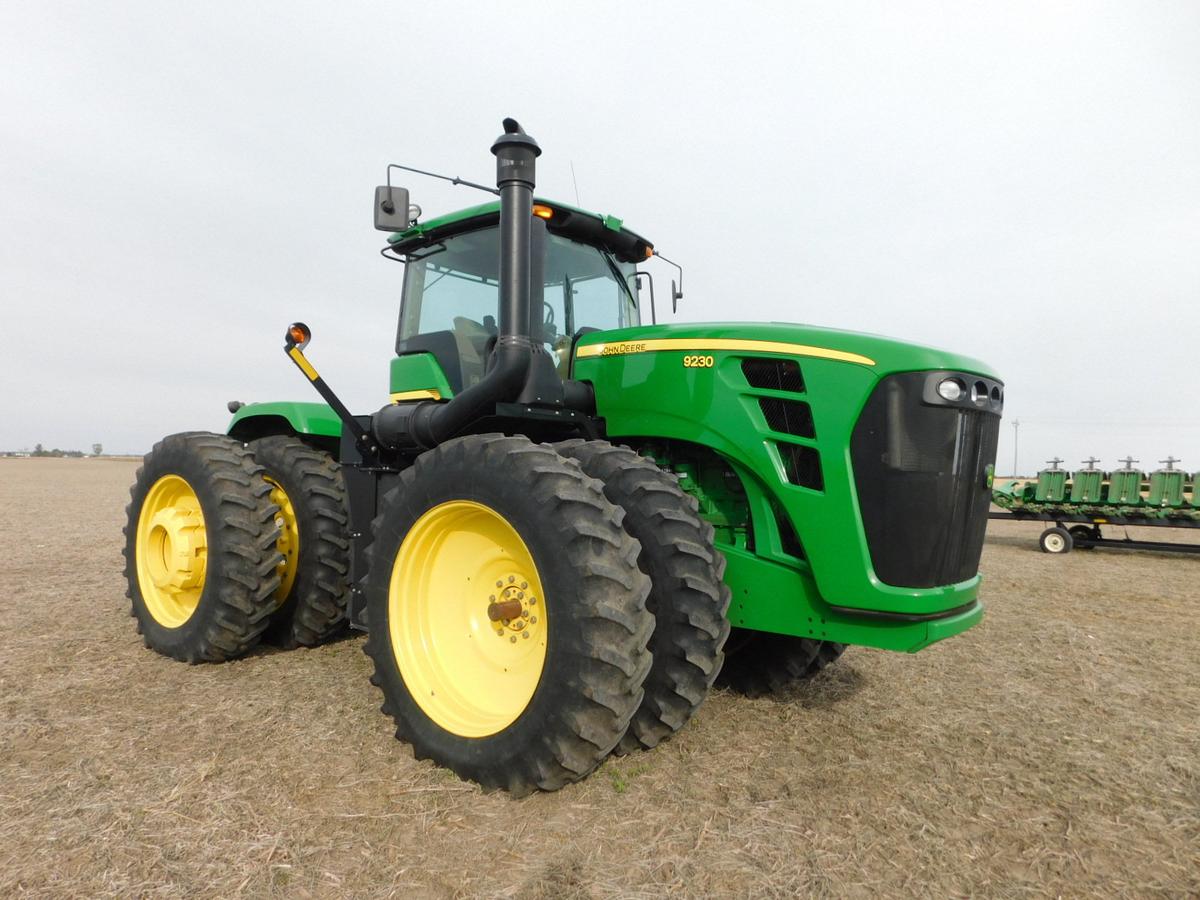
{"type": "Point", "coordinates": [1017, 182]}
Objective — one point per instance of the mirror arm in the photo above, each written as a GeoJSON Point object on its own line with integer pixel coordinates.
{"type": "Point", "coordinates": [676, 292]}
{"type": "Point", "coordinates": [650, 278]}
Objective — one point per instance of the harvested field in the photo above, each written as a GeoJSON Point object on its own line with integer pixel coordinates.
{"type": "Point", "coordinates": [1052, 750]}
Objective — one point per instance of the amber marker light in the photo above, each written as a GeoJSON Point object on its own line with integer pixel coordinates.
{"type": "Point", "coordinates": [298, 334]}
{"type": "Point", "coordinates": [542, 211]}
{"type": "Point", "coordinates": [649, 251]}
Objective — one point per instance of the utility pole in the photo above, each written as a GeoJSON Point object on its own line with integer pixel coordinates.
{"type": "Point", "coordinates": [1016, 434]}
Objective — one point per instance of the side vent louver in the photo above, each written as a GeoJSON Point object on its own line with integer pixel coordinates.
{"type": "Point", "coordinates": [802, 465]}
{"type": "Point", "coordinates": [773, 374]}
{"type": "Point", "coordinates": [788, 416]}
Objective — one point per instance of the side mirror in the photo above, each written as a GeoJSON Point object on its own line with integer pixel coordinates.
{"type": "Point", "coordinates": [675, 295]}
{"type": "Point", "coordinates": [391, 208]}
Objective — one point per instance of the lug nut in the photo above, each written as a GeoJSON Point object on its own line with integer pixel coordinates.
{"type": "Point", "coordinates": [533, 601]}
{"type": "Point", "coordinates": [532, 620]}
{"type": "Point", "coordinates": [512, 578]}
{"type": "Point", "coordinates": [525, 634]}
{"type": "Point", "coordinates": [499, 584]}
{"type": "Point", "coordinates": [524, 584]}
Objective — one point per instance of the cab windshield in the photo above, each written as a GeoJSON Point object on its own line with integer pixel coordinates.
{"type": "Point", "coordinates": [454, 288]}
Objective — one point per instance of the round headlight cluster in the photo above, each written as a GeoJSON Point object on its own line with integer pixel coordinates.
{"type": "Point", "coordinates": [951, 389]}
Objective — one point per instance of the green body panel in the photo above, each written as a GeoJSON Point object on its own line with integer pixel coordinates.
{"type": "Point", "coordinates": [256, 419]}
{"type": "Point", "coordinates": [419, 372]}
{"type": "Point", "coordinates": [1051, 486]}
{"type": "Point", "coordinates": [648, 396]}
{"type": "Point", "coordinates": [1166, 488]}
{"type": "Point", "coordinates": [1125, 487]}
{"type": "Point", "coordinates": [768, 596]}
{"type": "Point", "coordinates": [1085, 486]}
{"type": "Point", "coordinates": [429, 229]}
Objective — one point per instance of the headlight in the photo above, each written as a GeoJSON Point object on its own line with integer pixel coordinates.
{"type": "Point", "coordinates": [951, 389]}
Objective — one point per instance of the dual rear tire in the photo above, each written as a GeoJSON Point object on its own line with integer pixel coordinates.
{"type": "Point", "coordinates": [227, 544]}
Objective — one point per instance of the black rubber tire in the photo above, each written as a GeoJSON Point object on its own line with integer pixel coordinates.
{"type": "Point", "coordinates": [598, 625]}
{"type": "Point", "coordinates": [1085, 533]}
{"type": "Point", "coordinates": [1056, 540]}
{"type": "Point", "coordinates": [688, 599]}
{"type": "Point", "coordinates": [315, 608]}
{"type": "Point", "coordinates": [758, 663]}
{"type": "Point", "coordinates": [239, 518]}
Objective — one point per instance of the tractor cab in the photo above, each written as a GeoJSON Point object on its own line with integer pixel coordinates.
{"type": "Point", "coordinates": [583, 275]}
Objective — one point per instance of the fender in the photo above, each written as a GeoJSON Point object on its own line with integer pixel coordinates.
{"type": "Point", "coordinates": [314, 420]}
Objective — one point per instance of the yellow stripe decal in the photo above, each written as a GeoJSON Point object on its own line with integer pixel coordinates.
{"type": "Point", "coordinates": [426, 394]}
{"type": "Point", "coordinates": [697, 345]}
{"type": "Point", "coordinates": [303, 363]}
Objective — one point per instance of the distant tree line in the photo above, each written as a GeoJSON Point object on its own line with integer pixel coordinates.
{"type": "Point", "coordinates": [40, 450]}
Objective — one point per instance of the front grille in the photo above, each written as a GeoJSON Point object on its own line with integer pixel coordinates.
{"type": "Point", "coordinates": [921, 470]}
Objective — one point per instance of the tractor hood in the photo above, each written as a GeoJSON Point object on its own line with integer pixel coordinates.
{"type": "Point", "coordinates": [881, 355]}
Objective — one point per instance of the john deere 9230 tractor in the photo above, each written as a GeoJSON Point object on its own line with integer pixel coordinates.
{"type": "Point", "coordinates": [550, 529]}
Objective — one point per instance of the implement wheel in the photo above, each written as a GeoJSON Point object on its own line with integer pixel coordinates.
{"type": "Point", "coordinates": [200, 548]}
{"type": "Point", "coordinates": [1056, 540]}
{"type": "Point", "coordinates": [1081, 535]}
{"type": "Point", "coordinates": [758, 663]}
{"type": "Point", "coordinates": [507, 612]}
{"type": "Point", "coordinates": [687, 596]}
{"type": "Point", "coordinates": [307, 486]}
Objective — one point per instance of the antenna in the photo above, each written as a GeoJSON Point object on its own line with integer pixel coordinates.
{"type": "Point", "coordinates": [576, 183]}
{"type": "Point", "coordinates": [453, 179]}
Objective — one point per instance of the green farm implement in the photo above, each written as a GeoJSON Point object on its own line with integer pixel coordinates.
{"type": "Point", "coordinates": [565, 523]}
{"type": "Point", "coordinates": [1080, 504]}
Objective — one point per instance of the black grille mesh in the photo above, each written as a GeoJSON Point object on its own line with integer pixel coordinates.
{"type": "Point", "coordinates": [802, 465]}
{"type": "Point", "coordinates": [788, 416]}
{"type": "Point", "coordinates": [920, 471]}
{"type": "Point", "coordinates": [773, 374]}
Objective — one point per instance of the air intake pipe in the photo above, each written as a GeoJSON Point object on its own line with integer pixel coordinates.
{"type": "Point", "coordinates": [519, 368]}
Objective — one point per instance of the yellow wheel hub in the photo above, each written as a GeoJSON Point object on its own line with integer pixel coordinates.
{"type": "Point", "coordinates": [289, 540]}
{"type": "Point", "coordinates": [467, 618]}
{"type": "Point", "coordinates": [172, 551]}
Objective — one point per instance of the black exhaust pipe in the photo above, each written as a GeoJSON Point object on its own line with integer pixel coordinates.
{"type": "Point", "coordinates": [517, 366]}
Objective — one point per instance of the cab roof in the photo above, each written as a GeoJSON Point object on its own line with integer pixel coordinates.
{"type": "Point", "coordinates": [578, 224]}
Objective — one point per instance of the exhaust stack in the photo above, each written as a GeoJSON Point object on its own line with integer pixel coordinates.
{"type": "Point", "coordinates": [519, 369]}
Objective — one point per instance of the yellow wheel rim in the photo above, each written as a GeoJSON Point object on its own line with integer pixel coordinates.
{"type": "Point", "coordinates": [172, 551]}
{"type": "Point", "coordinates": [471, 674]}
{"type": "Point", "coordinates": [289, 540]}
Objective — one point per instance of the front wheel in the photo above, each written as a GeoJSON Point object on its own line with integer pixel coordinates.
{"type": "Point", "coordinates": [507, 613]}
{"type": "Point", "coordinates": [688, 599]}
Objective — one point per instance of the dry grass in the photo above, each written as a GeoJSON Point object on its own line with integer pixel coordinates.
{"type": "Point", "coordinates": [1052, 750]}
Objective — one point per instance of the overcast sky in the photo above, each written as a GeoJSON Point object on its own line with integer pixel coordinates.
{"type": "Point", "coordinates": [1021, 183]}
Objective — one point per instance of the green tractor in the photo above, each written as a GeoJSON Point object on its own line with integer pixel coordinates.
{"type": "Point", "coordinates": [566, 523]}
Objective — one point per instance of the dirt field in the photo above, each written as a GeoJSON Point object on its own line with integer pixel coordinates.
{"type": "Point", "coordinates": [1055, 749]}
